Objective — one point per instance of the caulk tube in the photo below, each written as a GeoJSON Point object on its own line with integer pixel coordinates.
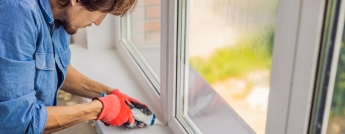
{"type": "Point", "coordinates": [139, 115]}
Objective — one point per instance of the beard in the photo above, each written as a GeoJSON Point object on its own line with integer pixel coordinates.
{"type": "Point", "coordinates": [66, 23]}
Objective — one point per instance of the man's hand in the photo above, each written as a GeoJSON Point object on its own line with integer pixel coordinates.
{"type": "Point", "coordinates": [115, 111]}
{"type": "Point", "coordinates": [133, 103]}
{"type": "Point", "coordinates": [129, 100]}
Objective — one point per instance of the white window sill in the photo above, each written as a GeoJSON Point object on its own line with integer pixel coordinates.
{"type": "Point", "coordinates": [105, 66]}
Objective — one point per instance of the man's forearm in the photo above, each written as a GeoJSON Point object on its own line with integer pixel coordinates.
{"type": "Point", "coordinates": [61, 117]}
{"type": "Point", "coordinates": [79, 84]}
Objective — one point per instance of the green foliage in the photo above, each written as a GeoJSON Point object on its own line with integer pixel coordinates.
{"type": "Point", "coordinates": [253, 52]}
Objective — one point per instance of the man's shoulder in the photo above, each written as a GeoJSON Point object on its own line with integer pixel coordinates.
{"type": "Point", "coordinates": [22, 27]}
{"type": "Point", "coordinates": [21, 5]}
{"type": "Point", "coordinates": [14, 11]}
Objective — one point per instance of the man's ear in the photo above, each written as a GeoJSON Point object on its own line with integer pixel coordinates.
{"type": "Point", "coordinates": [74, 2]}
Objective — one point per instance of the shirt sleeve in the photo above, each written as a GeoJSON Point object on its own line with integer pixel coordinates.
{"type": "Point", "coordinates": [19, 111]}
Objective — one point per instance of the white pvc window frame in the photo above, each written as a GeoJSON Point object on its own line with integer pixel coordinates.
{"type": "Point", "coordinates": [331, 44]}
{"type": "Point", "coordinates": [295, 58]}
{"type": "Point", "coordinates": [295, 55]}
{"type": "Point", "coordinates": [125, 38]}
{"type": "Point", "coordinates": [146, 83]}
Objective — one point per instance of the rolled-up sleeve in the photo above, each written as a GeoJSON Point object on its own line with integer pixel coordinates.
{"type": "Point", "coordinates": [19, 110]}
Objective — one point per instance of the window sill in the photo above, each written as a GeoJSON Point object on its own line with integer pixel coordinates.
{"type": "Point", "coordinates": [105, 66]}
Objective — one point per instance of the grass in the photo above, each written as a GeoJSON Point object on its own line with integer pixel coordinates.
{"type": "Point", "coordinates": [253, 52]}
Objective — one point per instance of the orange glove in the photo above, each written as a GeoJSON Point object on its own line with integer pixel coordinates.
{"type": "Point", "coordinates": [129, 100]}
{"type": "Point", "coordinates": [115, 111]}
{"type": "Point", "coordinates": [133, 103]}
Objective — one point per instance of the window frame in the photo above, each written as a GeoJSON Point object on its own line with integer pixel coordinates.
{"type": "Point", "coordinates": [136, 70]}
{"type": "Point", "coordinates": [326, 75]}
{"type": "Point", "coordinates": [125, 38]}
{"type": "Point", "coordinates": [294, 64]}
{"type": "Point", "coordinates": [333, 73]}
{"type": "Point", "coordinates": [168, 59]}
{"type": "Point", "coordinates": [293, 79]}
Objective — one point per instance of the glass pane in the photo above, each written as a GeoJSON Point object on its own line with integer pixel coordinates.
{"type": "Point", "coordinates": [230, 56]}
{"type": "Point", "coordinates": [145, 31]}
{"type": "Point", "coordinates": [336, 123]}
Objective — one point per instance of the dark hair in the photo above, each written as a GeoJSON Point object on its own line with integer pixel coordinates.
{"type": "Point", "coordinates": [115, 7]}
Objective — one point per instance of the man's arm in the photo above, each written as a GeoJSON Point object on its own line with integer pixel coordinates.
{"type": "Point", "coordinates": [78, 84]}
{"type": "Point", "coordinates": [61, 117]}
{"type": "Point", "coordinates": [110, 109]}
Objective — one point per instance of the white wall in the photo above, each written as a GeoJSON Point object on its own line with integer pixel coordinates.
{"type": "Point", "coordinates": [97, 37]}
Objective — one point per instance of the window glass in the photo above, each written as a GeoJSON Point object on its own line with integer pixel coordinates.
{"type": "Point", "coordinates": [230, 56]}
{"type": "Point", "coordinates": [336, 123]}
{"type": "Point", "coordinates": [145, 31]}
{"type": "Point", "coordinates": [141, 36]}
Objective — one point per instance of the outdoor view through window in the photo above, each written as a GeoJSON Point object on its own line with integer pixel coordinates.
{"type": "Point", "coordinates": [230, 46]}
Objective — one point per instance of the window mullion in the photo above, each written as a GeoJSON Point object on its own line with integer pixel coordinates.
{"type": "Point", "coordinates": [168, 58]}
{"type": "Point", "coordinates": [282, 65]}
{"type": "Point", "coordinates": [305, 66]}
{"type": "Point", "coordinates": [294, 65]}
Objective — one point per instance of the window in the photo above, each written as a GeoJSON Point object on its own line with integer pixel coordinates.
{"type": "Point", "coordinates": [141, 37]}
{"type": "Point", "coordinates": [244, 66]}
{"type": "Point", "coordinates": [228, 58]}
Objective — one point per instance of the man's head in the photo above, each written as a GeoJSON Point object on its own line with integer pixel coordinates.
{"type": "Point", "coordinates": [75, 14]}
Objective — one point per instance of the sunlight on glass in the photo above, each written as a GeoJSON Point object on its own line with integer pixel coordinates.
{"type": "Point", "coordinates": [230, 46]}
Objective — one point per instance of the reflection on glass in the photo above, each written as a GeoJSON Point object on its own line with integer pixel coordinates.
{"type": "Point", "coordinates": [230, 48]}
{"type": "Point", "coordinates": [145, 31]}
{"type": "Point", "coordinates": [336, 123]}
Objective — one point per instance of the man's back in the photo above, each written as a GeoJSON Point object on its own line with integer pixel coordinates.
{"type": "Point", "coordinates": [34, 54]}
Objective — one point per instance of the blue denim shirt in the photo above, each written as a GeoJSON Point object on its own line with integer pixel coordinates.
{"type": "Point", "coordinates": [34, 56]}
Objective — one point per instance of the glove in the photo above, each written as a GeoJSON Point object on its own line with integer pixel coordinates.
{"type": "Point", "coordinates": [115, 111]}
{"type": "Point", "coordinates": [129, 100]}
{"type": "Point", "coordinates": [133, 103]}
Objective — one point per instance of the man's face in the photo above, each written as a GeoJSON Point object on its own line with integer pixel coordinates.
{"type": "Point", "coordinates": [76, 17]}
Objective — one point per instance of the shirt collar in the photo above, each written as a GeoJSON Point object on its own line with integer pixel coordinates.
{"type": "Point", "coordinates": [46, 10]}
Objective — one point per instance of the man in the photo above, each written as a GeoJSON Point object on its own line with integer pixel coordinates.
{"type": "Point", "coordinates": [34, 64]}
